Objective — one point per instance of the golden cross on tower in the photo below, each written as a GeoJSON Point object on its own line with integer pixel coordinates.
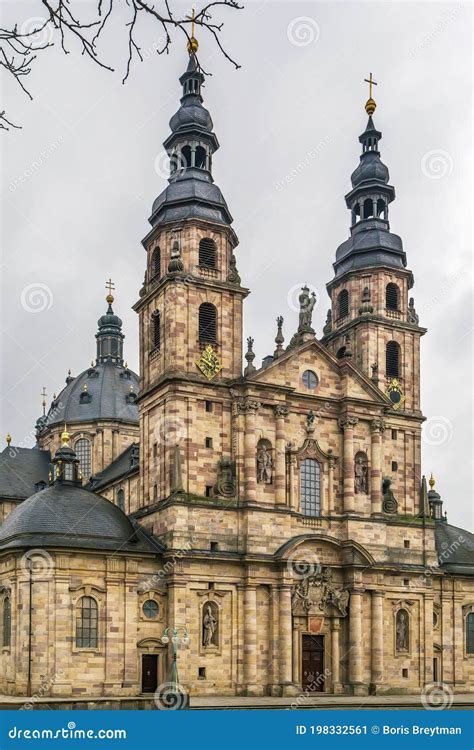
{"type": "Point", "coordinates": [192, 41]}
{"type": "Point", "coordinates": [370, 103]}
{"type": "Point", "coordinates": [110, 286]}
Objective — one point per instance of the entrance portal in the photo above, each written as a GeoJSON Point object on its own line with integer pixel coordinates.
{"type": "Point", "coordinates": [313, 663]}
{"type": "Point", "coordinates": [149, 673]}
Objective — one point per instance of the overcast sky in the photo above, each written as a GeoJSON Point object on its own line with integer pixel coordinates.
{"type": "Point", "coordinates": [79, 179]}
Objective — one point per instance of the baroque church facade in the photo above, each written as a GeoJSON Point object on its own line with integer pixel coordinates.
{"type": "Point", "coordinates": [276, 517]}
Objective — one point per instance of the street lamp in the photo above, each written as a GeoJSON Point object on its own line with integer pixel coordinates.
{"type": "Point", "coordinates": [179, 637]}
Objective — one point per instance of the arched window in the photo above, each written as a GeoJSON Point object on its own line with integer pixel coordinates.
{"type": "Point", "coordinates": [84, 454]}
{"type": "Point", "coordinates": [156, 330]}
{"type": "Point", "coordinates": [7, 622]}
{"type": "Point", "coordinates": [200, 157]}
{"type": "Point", "coordinates": [381, 208]}
{"type": "Point", "coordinates": [392, 360]}
{"type": "Point", "coordinates": [207, 253]}
{"type": "Point", "coordinates": [186, 157]}
{"type": "Point", "coordinates": [341, 352]}
{"type": "Point", "coordinates": [156, 263]}
{"type": "Point", "coordinates": [207, 323]}
{"type": "Point", "coordinates": [470, 633]}
{"type": "Point", "coordinates": [392, 296]}
{"type": "Point", "coordinates": [121, 499]}
{"type": "Point", "coordinates": [368, 208]}
{"type": "Point", "coordinates": [87, 623]}
{"type": "Point", "coordinates": [343, 304]}
{"type": "Point", "coordinates": [310, 487]}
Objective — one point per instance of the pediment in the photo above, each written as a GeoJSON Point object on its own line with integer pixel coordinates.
{"type": "Point", "coordinates": [336, 379]}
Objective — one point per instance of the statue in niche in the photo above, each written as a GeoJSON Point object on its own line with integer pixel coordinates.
{"type": "Point", "coordinates": [307, 304]}
{"type": "Point", "coordinates": [402, 635]}
{"type": "Point", "coordinates": [264, 462]}
{"type": "Point", "coordinates": [361, 471]}
{"type": "Point", "coordinates": [210, 622]}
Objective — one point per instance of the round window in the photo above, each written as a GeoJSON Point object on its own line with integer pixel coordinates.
{"type": "Point", "coordinates": [151, 609]}
{"type": "Point", "coordinates": [310, 379]}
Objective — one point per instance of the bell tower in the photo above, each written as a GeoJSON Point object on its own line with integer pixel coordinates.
{"type": "Point", "coordinates": [190, 305]}
{"type": "Point", "coordinates": [372, 319]}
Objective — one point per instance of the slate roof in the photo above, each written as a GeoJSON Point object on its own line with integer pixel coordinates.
{"type": "Point", "coordinates": [455, 548]}
{"type": "Point", "coordinates": [21, 469]}
{"type": "Point", "coordinates": [126, 463]}
{"type": "Point", "coordinates": [108, 385]}
{"type": "Point", "coordinates": [70, 516]}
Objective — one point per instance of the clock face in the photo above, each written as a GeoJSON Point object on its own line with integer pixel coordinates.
{"type": "Point", "coordinates": [395, 397]}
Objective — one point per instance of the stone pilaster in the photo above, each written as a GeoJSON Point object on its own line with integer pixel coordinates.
{"type": "Point", "coordinates": [250, 640]}
{"type": "Point", "coordinates": [377, 427]}
{"type": "Point", "coordinates": [249, 407]}
{"type": "Point", "coordinates": [377, 639]}
{"type": "Point", "coordinates": [280, 494]}
{"type": "Point", "coordinates": [356, 643]}
{"type": "Point", "coordinates": [347, 425]}
{"type": "Point", "coordinates": [335, 655]}
{"type": "Point", "coordinates": [286, 637]}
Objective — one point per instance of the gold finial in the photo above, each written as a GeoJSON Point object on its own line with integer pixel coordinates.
{"type": "Point", "coordinates": [370, 104]}
{"type": "Point", "coordinates": [432, 481]}
{"type": "Point", "coordinates": [110, 286]}
{"type": "Point", "coordinates": [131, 389]}
{"type": "Point", "coordinates": [193, 43]}
{"type": "Point", "coordinates": [85, 388]}
{"type": "Point", "coordinates": [8, 438]}
{"type": "Point", "coordinates": [126, 365]}
{"type": "Point", "coordinates": [65, 436]}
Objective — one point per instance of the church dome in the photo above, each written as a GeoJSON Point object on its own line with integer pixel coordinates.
{"type": "Point", "coordinates": [103, 391]}
{"type": "Point", "coordinates": [191, 114]}
{"type": "Point", "coordinates": [370, 168]}
{"type": "Point", "coordinates": [69, 516]}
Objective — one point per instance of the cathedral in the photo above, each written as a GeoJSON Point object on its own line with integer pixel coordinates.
{"type": "Point", "coordinates": [262, 530]}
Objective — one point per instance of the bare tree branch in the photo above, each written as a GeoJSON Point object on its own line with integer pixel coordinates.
{"type": "Point", "coordinates": [20, 47]}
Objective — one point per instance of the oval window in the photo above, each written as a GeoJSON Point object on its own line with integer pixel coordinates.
{"type": "Point", "coordinates": [151, 609]}
{"type": "Point", "coordinates": [310, 379]}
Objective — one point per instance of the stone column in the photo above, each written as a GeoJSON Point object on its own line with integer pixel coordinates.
{"type": "Point", "coordinates": [291, 461]}
{"type": "Point", "coordinates": [356, 643]}
{"type": "Point", "coordinates": [286, 639]}
{"type": "Point", "coordinates": [335, 655]}
{"type": "Point", "coordinates": [250, 639]}
{"type": "Point", "coordinates": [280, 491]}
{"type": "Point", "coordinates": [250, 407]}
{"type": "Point", "coordinates": [296, 657]}
{"type": "Point", "coordinates": [377, 639]}
{"type": "Point", "coordinates": [377, 426]}
{"type": "Point", "coordinates": [347, 424]}
{"type": "Point", "coordinates": [428, 639]}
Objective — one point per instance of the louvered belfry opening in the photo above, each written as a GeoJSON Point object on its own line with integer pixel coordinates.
{"type": "Point", "coordinates": [207, 323]}
{"type": "Point", "coordinates": [391, 296]}
{"type": "Point", "coordinates": [392, 360]}
{"type": "Point", "coordinates": [156, 330]}
{"type": "Point", "coordinates": [343, 304]}
{"type": "Point", "coordinates": [207, 253]}
{"type": "Point", "coordinates": [156, 263]}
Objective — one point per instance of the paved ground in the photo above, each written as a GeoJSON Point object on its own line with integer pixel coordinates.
{"type": "Point", "coordinates": [391, 702]}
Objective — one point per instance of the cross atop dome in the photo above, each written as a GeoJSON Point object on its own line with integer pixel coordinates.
{"type": "Point", "coordinates": [370, 104]}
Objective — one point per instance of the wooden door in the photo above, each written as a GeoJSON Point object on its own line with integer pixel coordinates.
{"type": "Point", "coordinates": [313, 663]}
{"type": "Point", "coordinates": [149, 673]}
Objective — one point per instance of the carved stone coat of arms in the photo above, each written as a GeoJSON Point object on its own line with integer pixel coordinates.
{"type": "Point", "coordinates": [317, 593]}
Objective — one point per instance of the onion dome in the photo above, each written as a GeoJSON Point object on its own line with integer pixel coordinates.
{"type": "Point", "coordinates": [107, 389]}
{"type": "Point", "coordinates": [371, 243]}
{"type": "Point", "coordinates": [191, 193]}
